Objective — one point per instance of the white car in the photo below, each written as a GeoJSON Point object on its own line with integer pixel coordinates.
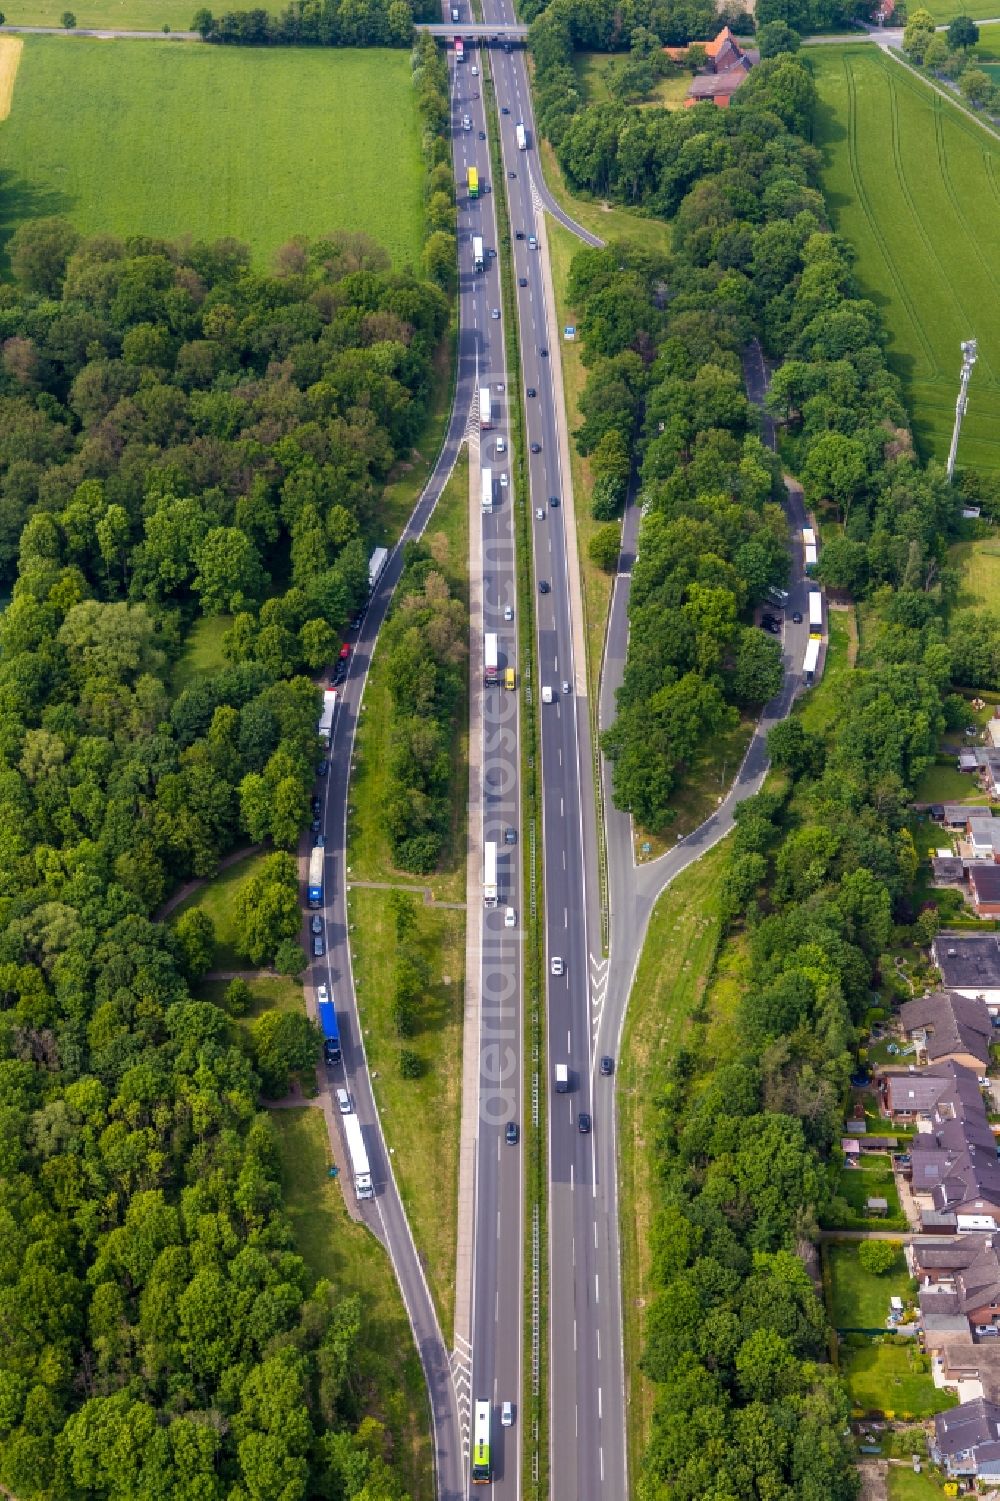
{"type": "Point", "coordinates": [557, 965]}
{"type": "Point", "coordinates": [510, 918]}
{"type": "Point", "coordinates": [344, 1102]}
{"type": "Point", "coordinates": [503, 480]}
{"type": "Point", "coordinates": [507, 1415]}
{"type": "Point", "coordinates": [539, 514]}
{"type": "Point", "coordinates": [508, 612]}
{"type": "Point", "coordinates": [501, 445]}
{"type": "Point", "coordinates": [322, 994]}
{"type": "Point", "coordinates": [475, 71]}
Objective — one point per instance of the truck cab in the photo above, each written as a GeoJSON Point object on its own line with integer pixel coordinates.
{"type": "Point", "coordinates": [562, 1078]}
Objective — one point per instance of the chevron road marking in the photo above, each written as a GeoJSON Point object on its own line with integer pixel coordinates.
{"type": "Point", "coordinates": [461, 1375]}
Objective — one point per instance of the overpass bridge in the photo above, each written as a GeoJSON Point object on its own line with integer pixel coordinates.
{"type": "Point", "coordinates": [475, 31]}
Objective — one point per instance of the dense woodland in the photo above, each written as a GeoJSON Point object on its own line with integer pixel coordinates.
{"type": "Point", "coordinates": [821, 874]}
{"type": "Point", "coordinates": [181, 435]}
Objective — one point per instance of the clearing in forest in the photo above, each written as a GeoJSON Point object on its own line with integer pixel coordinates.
{"type": "Point", "coordinates": [914, 186]}
{"type": "Point", "coordinates": [172, 139]}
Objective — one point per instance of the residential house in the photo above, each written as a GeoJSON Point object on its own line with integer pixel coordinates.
{"type": "Point", "coordinates": [984, 762]}
{"type": "Point", "coordinates": [955, 815]}
{"type": "Point", "coordinates": [970, 964]}
{"type": "Point", "coordinates": [727, 65]}
{"type": "Point", "coordinates": [983, 834]}
{"type": "Point", "coordinates": [954, 1168]}
{"type": "Point", "coordinates": [909, 1097]}
{"type": "Point", "coordinates": [948, 870]}
{"type": "Point", "coordinates": [993, 731]}
{"type": "Point", "coordinates": [966, 1440]}
{"type": "Point", "coordinates": [984, 881]}
{"type": "Point", "coordinates": [946, 1027]}
{"type": "Point", "coordinates": [959, 1278]}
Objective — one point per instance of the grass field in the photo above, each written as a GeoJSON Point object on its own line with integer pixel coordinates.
{"type": "Point", "coordinates": [137, 137]}
{"type": "Point", "coordinates": [386, 1377]}
{"type": "Point", "coordinates": [591, 69]}
{"type": "Point", "coordinates": [202, 654]}
{"type": "Point", "coordinates": [856, 1185]}
{"type": "Point", "coordinates": [893, 1378]}
{"type": "Point", "coordinates": [859, 1299]}
{"type": "Point", "coordinates": [905, 1485]}
{"type": "Point", "coordinates": [218, 899]}
{"type": "Point", "coordinates": [979, 563]}
{"type": "Point", "coordinates": [915, 187]}
{"type": "Point", "coordinates": [674, 970]}
{"type": "Point", "coordinates": [946, 784]}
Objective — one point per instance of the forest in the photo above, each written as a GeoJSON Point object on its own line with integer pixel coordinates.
{"type": "Point", "coordinates": [182, 437]}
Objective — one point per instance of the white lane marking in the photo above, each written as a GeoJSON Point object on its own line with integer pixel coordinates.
{"type": "Point", "coordinates": [597, 1288]}
{"type": "Point", "coordinates": [498, 1224]}
{"type": "Point", "coordinates": [496, 1309]}
{"type": "Point", "coordinates": [601, 1453]}
{"type": "Point", "coordinates": [565, 917]}
{"type": "Point", "coordinates": [569, 1046]}
{"type": "Point", "coordinates": [562, 808]}
{"type": "Point", "coordinates": [564, 852]}
{"type": "Point", "coordinates": [598, 1401]}
{"type": "Point", "coordinates": [598, 1344]}
{"type": "Point", "coordinates": [595, 1248]}
{"type": "Point", "coordinates": [572, 1182]}
{"type": "Point", "coordinates": [498, 1159]}
{"type": "Point", "coordinates": [574, 1334]}
{"type": "Point", "coordinates": [560, 763]}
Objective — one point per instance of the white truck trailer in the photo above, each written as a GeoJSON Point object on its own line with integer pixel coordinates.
{"type": "Point", "coordinates": [485, 409]}
{"type": "Point", "coordinates": [522, 137]}
{"type": "Point", "coordinates": [811, 659]}
{"type": "Point", "coordinates": [487, 489]}
{"type": "Point", "coordinates": [491, 659]}
{"type": "Point", "coordinates": [490, 873]}
{"type": "Point", "coordinates": [325, 726]}
{"type": "Point", "coordinates": [815, 610]}
{"type": "Point", "coordinates": [359, 1157]}
{"type": "Point", "coordinates": [376, 564]}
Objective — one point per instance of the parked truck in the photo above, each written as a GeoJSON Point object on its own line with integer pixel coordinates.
{"type": "Point", "coordinates": [327, 1013]}
{"type": "Point", "coordinates": [490, 873]}
{"type": "Point", "coordinates": [811, 659]}
{"type": "Point", "coordinates": [478, 254]}
{"type": "Point", "coordinates": [459, 50]}
{"type": "Point", "coordinates": [812, 556]}
{"type": "Point", "coordinates": [486, 480]}
{"type": "Point", "coordinates": [815, 610]}
{"type": "Point", "coordinates": [359, 1157]}
{"type": "Point", "coordinates": [522, 138]}
{"type": "Point", "coordinates": [485, 409]}
{"type": "Point", "coordinates": [316, 877]}
{"type": "Point", "coordinates": [491, 659]}
{"type": "Point", "coordinates": [325, 727]}
{"type": "Point", "coordinates": [376, 567]}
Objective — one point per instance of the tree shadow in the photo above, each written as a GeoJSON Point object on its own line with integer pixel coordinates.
{"type": "Point", "coordinates": [21, 199]}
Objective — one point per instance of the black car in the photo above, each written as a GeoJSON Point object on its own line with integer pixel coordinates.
{"type": "Point", "coordinates": [543, 586]}
{"type": "Point", "coordinates": [797, 616]}
{"type": "Point", "coordinates": [584, 1123]}
{"type": "Point", "coordinates": [323, 767]}
{"type": "Point", "coordinates": [532, 391]}
{"type": "Point", "coordinates": [553, 500]}
{"type": "Point", "coordinates": [316, 825]}
{"type": "Point", "coordinates": [536, 448]}
{"type": "Point", "coordinates": [519, 234]}
{"type": "Point", "coordinates": [482, 135]}
{"type": "Point", "coordinates": [510, 835]}
{"type": "Point", "coordinates": [315, 923]}
{"type": "Point", "coordinates": [510, 1134]}
{"type": "Point", "coordinates": [504, 110]}
{"type": "Point", "coordinates": [522, 281]}
{"type": "Point", "coordinates": [511, 174]}
{"type": "Point", "coordinates": [607, 1066]}
{"type": "Point", "coordinates": [319, 948]}
{"type": "Point", "coordinates": [771, 625]}
{"type": "Point", "coordinates": [317, 803]}
{"type": "Point", "coordinates": [544, 352]}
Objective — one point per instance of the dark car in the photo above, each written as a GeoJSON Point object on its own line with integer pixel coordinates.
{"type": "Point", "coordinates": [543, 586]}
{"type": "Point", "coordinates": [607, 1066]}
{"type": "Point", "coordinates": [536, 448]}
{"type": "Point", "coordinates": [797, 616]}
{"type": "Point", "coordinates": [482, 135]}
{"type": "Point", "coordinates": [772, 626]}
{"type": "Point", "coordinates": [509, 835]}
{"type": "Point", "coordinates": [317, 806]}
{"type": "Point", "coordinates": [519, 234]}
{"type": "Point", "coordinates": [316, 825]}
{"type": "Point", "coordinates": [553, 500]}
{"type": "Point", "coordinates": [532, 391]}
{"type": "Point", "coordinates": [315, 923]}
{"type": "Point", "coordinates": [318, 947]}
{"type": "Point", "coordinates": [510, 1135]}
{"type": "Point", "coordinates": [544, 352]}
{"type": "Point", "coordinates": [522, 281]}
{"type": "Point", "coordinates": [323, 767]}
{"type": "Point", "coordinates": [504, 110]}
{"type": "Point", "coordinates": [583, 1122]}
{"type": "Point", "coordinates": [511, 174]}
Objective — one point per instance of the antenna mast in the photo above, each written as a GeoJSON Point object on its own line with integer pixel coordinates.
{"type": "Point", "coordinates": [969, 355]}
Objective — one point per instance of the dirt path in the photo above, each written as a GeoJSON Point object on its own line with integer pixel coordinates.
{"type": "Point", "coordinates": [430, 900]}
{"type": "Point", "coordinates": [183, 892]}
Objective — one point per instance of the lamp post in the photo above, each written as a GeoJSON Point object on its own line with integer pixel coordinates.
{"type": "Point", "coordinates": [969, 355]}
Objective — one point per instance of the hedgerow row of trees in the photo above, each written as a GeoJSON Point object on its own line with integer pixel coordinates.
{"type": "Point", "coordinates": [317, 23]}
{"type": "Point", "coordinates": [181, 435]}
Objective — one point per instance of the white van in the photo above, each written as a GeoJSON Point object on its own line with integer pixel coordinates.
{"type": "Point", "coordinates": [546, 695]}
{"type": "Point", "coordinates": [507, 1415]}
{"type": "Point", "coordinates": [344, 1102]}
{"type": "Point", "coordinates": [562, 1079]}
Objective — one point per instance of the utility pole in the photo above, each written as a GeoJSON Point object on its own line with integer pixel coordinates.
{"type": "Point", "coordinates": [969, 354]}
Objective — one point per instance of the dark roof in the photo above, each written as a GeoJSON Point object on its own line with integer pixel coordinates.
{"type": "Point", "coordinates": [986, 882]}
{"type": "Point", "coordinates": [967, 1426]}
{"type": "Point", "coordinates": [956, 1160]}
{"type": "Point", "coordinates": [947, 1253]}
{"type": "Point", "coordinates": [915, 1092]}
{"type": "Point", "coordinates": [968, 961]}
{"type": "Point", "coordinates": [947, 868]}
{"type": "Point", "coordinates": [957, 813]}
{"type": "Point", "coordinates": [953, 1023]}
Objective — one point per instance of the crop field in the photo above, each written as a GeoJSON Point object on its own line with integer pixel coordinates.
{"type": "Point", "coordinates": [176, 138]}
{"type": "Point", "coordinates": [915, 187]}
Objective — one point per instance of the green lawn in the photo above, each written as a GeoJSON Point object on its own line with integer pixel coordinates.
{"type": "Point", "coordinates": [420, 1117]}
{"type": "Point", "coordinates": [945, 784]}
{"type": "Point", "coordinates": [820, 709]}
{"type": "Point", "coordinates": [386, 1376]}
{"type": "Point", "coordinates": [979, 563]}
{"type": "Point", "coordinates": [369, 851]}
{"type": "Point", "coordinates": [858, 1299]}
{"type": "Point", "coordinates": [137, 137]}
{"type": "Point", "coordinates": [218, 899]}
{"type": "Point", "coordinates": [591, 69]}
{"type": "Point", "coordinates": [675, 968]}
{"type": "Point", "coordinates": [893, 1378]}
{"type": "Point", "coordinates": [267, 993]}
{"type": "Point", "coordinates": [914, 185]}
{"type": "Point", "coordinates": [123, 15]}
{"type": "Point", "coordinates": [856, 1185]}
{"type": "Point", "coordinates": [202, 652]}
{"type": "Point", "coordinates": [905, 1485]}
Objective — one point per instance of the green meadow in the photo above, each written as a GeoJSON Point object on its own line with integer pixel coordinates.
{"type": "Point", "coordinates": [914, 186]}
{"type": "Point", "coordinates": [172, 139]}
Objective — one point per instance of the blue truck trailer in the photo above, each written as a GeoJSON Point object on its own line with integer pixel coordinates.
{"type": "Point", "coordinates": [328, 1026]}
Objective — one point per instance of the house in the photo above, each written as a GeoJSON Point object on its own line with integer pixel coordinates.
{"type": "Point", "coordinates": [993, 731]}
{"type": "Point", "coordinates": [970, 964]}
{"type": "Point", "coordinates": [910, 1096]}
{"type": "Point", "coordinates": [955, 1171]}
{"type": "Point", "coordinates": [949, 1027]}
{"type": "Point", "coordinates": [948, 870]}
{"type": "Point", "coordinates": [984, 761]}
{"type": "Point", "coordinates": [955, 815]}
{"type": "Point", "coordinates": [966, 1440]}
{"type": "Point", "coordinates": [959, 1278]}
{"type": "Point", "coordinates": [983, 834]}
{"type": "Point", "coordinates": [727, 65]}
{"type": "Point", "coordinates": [985, 883]}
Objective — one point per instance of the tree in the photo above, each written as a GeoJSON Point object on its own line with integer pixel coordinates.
{"type": "Point", "coordinates": [777, 36]}
{"type": "Point", "coordinates": [977, 87]}
{"type": "Point", "coordinates": [68, 20]}
{"type": "Point", "coordinates": [229, 574]}
{"type": "Point", "coordinates": [962, 33]}
{"type": "Point", "coordinates": [605, 545]}
{"type": "Point", "coordinates": [283, 1043]}
{"type": "Point", "coordinates": [194, 931]}
{"type": "Point", "coordinates": [439, 259]}
{"type": "Point", "coordinates": [239, 997]}
{"type": "Point", "coordinates": [203, 23]}
{"type": "Point", "coordinates": [937, 52]}
{"type": "Point", "coordinates": [878, 1256]}
{"type": "Point", "coordinates": [758, 673]}
{"type": "Point", "coordinates": [917, 34]}
{"type": "Point", "coordinates": [39, 250]}
{"type": "Point", "coordinates": [835, 470]}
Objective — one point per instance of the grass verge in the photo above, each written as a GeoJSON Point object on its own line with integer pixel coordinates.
{"type": "Point", "coordinates": [218, 899]}
{"type": "Point", "coordinates": [385, 1368]}
{"type": "Point", "coordinates": [203, 141]}
{"type": "Point", "coordinates": [705, 784]}
{"type": "Point", "coordinates": [677, 961]}
{"type": "Point", "coordinates": [407, 483]}
{"type": "Point", "coordinates": [420, 1117]}
{"type": "Point", "coordinates": [860, 1299]}
{"type": "Point", "coordinates": [603, 220]}
{"type": "Point", "coordinates": [893, 1379]}
{"type": "Point", "coordinates": [369, 852]}
{"type": "Point", "coordinates": [821, 708]}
